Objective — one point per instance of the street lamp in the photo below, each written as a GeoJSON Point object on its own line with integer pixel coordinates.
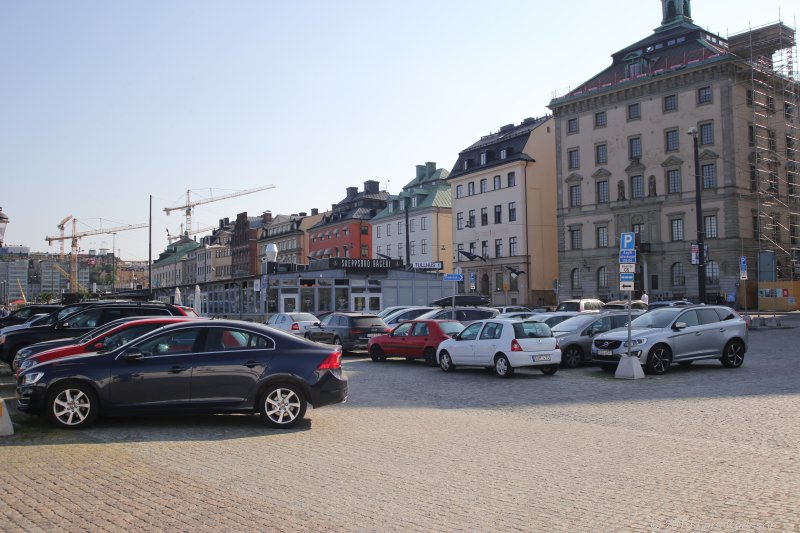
{"type": "Point", "coordinates": [3, 224]}
{"type": "Point", "coordinates": [698, 207]}
{"type": "Point", "coordinates": [270, 256]}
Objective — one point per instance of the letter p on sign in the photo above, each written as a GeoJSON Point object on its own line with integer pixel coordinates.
{"type": "Point", "coordinates": [627, 241]}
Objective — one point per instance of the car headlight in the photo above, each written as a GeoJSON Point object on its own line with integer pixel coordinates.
{"type": "Point", "coordinates": [2, 339]}
{"type": "Point", "coordinates": [33, 377]}
{"type": "Point", "coordinates": [635, 342]}
{"type": "Point", "coordinates": [26, 364]}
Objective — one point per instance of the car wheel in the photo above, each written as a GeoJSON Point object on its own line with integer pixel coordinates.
{"type": "Point", "coordinates": [733, 354]}
{"type": "Point", "coordinates": [658, 360]}
{"type": "Point", "coordinates": [337, 341]}
{"type": "Point", "coordinates": [572, 357]}
{"type": "Point", "coordinates": [430, 357]}
{"type": "Point", "coordinates": [502, 367]}
{"type": "Point", "coordinates": [377, 354]}
{"type": "Point", "coordinates": [73, 406]}
{"type": "Point", "coordinates": [282, 406]}
{"type": "Point", "coordinates": [307, 336]}
{"type": "Point", "coordinates": [445, 362]}
{"type": "Point", "coordinates": [549, 370]}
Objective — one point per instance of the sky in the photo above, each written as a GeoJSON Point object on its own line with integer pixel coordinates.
{"type": "Point", "coordinates": [103, 104]}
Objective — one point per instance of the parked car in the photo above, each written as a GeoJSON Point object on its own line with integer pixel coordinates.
{"type": "Point", "coordinates": [23, 314]}
{"type": "Point", "coordinates": [83, 321]}
{"type": "Point", "coordinates": [351, 331]}
{"type": "Point", "coordinates": [409, 313]}
{"type": "Point", "coordinates": [668, 303]}
{"type": "Point", "coordinates": [623, 304]}
{"type": "Point", "coordinates": [104, 340]}
{"type": "Point", "coordinates": [503, 345]}
{"type": "Point", "coordinates": [295, 323]}
{"type": "Point", "coordinates": [503, 309]}
{"type": "Point", "coordinates": [553, 317]}
{"type": "Point", "coordinates": [462, 300]}
{"type": "Point", "coordinates": [465, 315]}
{"type": "Point", "coordinates": [517, 315]}
{"type": "Point", "coordinates": [392, 309]}
{"type": "Point", "coordinates": [32, 321]}
{"type": "Point", "coordinates": [679, 334]}
{"type": "Point", "coordinates": [575, 334]}
{"type": "Point", "coordinates": [204, 366]}
{"type": "Point", "coordinates": [581, 306]}
{"type": "Point", "coordinates": [414, 339]}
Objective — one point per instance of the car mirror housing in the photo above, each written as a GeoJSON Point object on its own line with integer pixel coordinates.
{"type": "Point", "coordinates": [680, 325]}
{"type": "Point", "coordinates": [98, 346]}
{"type": "Point", "coordinates": [132, 354]}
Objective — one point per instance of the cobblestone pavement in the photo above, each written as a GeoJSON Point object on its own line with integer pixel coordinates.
{"type": "Point", "coordinates": [702, 448]}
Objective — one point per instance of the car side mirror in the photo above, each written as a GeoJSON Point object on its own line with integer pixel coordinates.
{"type": "Point", "coordinates": [132, 354]}
{"type": "Point", "coordinates": [98, 346]}
{"type": "Point", "coordinates": [63, 325]}
{"type": "Point", "coordinates": [680, 325]}
{"type": "Point", "coordinates": [318, 324]}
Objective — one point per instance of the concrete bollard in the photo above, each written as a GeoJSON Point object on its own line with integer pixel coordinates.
{"type": "Point", "coordinates": [629, 368]}
{"type": "Point", "coordinates": [6, 428]}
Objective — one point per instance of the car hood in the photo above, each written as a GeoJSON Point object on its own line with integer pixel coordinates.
{"type": "Point", "coordinates": [621, 334]}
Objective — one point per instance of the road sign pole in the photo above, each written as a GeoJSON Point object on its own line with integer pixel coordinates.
{"type": "Point", "coordinates": [628, 366]}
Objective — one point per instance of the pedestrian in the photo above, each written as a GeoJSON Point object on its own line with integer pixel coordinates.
{"type": "Point", "coordinates": [645, 298]}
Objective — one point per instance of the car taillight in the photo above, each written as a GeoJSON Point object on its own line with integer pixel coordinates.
{"type": "Point", "coordinates": [295, 326]}
{"type": "Point", "coordinates": [356, 331]}
{"type": "Point", "coordinates": [515, 347]}
{"type": "Point", "coordinates": [332, 362]}
{"type": "Point", "coordinates": [558, 345]}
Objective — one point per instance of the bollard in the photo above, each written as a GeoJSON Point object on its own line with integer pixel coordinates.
{"type": "Point", "coordinates": [6, 428]}
{"type": "Point", "coordinates": [629, 368]}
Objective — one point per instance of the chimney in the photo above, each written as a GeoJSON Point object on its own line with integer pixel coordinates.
{"type": "Point", "coordinates": [352, 191]}
{"type": "Point", "coordinates": [430, 169]}
{"type": "Point", "coordinates": [314, 211]}
{"type": "Point", "coordinates": [372, 186]}
{"type": "Point", "coordinates": [266, 217]}
{"type": "Point", "coordinates": [221, 223]}
{"type": "Point", "coordinates": [302, 214]}
{"type": "Point", "coordinates": [420, 171]}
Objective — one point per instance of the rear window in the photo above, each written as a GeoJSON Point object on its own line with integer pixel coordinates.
{"type": "Point", "coordinates": [451, 328]}
{"type": "Point", "coordinates": [368, 322]}
{"type": "Point", "coordinates": [531, 330]}
{"type": "Point", "coordinates": [303, 317]}
{"type": "Point", "coordinates": [568, 306]}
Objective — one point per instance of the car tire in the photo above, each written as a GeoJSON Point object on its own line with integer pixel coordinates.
{"type": "Point", "coordinates": [445, 362]}
{"type": "Point", "coordinates": [572, 356]}
{"type": "Point", "coordinates": [377, 355]}
{"type": "Point", "coordinates": [502, 367]}
{"type": "Point", "coordinates": [549, 370]}
{"type": "Point", "coordinates": [307, 336]}
{"type": "Point", "coordinates": [73, 405]}
{"type": "Point", "coordinates": [733, 354]}
{"type": "Point", "coordinates": [430, 357]}
{"type": "Point", "coordinates": [282, 406]}
{"type": "Point", "coordinates": [658, 360]}
{"type": "Point", "coordinates": [337, 341]}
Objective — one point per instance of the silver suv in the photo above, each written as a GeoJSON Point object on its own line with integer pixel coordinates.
{"type": "Point", "coordinates": [465, 315]}
{"type": "Point", "coordinates": [575, 334]}
{"type": "Point", "coordinates": [681, 335]}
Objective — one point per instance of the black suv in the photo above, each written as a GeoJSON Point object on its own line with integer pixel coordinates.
{"type": "Point", "coordinates": [22, 314]}
{"type": "Point", "coordinates": [350, 330]}
{"type": "Point", "coordinates": [84, 318]}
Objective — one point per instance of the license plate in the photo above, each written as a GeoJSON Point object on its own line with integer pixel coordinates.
{"type": "Point", "coordinates": [604, 352]}
{"type": "Point", "coordinates": [541, 357]}
{"type": "Point", "coordinates": [373, 334]}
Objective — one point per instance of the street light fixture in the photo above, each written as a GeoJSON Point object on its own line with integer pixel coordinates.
{"type": "Point", "coordinates": [698, 207]}
{"type": "Point", "coordinates": [3, 224]}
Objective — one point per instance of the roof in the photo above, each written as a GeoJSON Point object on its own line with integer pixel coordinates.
{"type": "Point", "coordinates": [427, 198]}
{"type": "Point", "coordinates": [176, 251]}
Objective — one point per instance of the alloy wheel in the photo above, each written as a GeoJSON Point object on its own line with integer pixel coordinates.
{"type": "Point", "coordinates": [282, 406]}
{"type": "Point", "coordinates": [71, 407]}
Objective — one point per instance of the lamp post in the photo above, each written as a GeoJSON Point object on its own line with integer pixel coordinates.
{"type": "Point", "coordinates": [3, 224]}
{"type": "Point", "coordinates": [270, 256]}
{"type": "Point", "coordinates": [698, 207]}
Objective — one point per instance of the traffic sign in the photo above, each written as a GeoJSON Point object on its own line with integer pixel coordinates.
{"type": "Point", "coordinates": [627, 267]}
{"type": "Point", "coordinates": [472, 281]}
{"type": "Point", "coordinates": [743, 264]}
{"type": "Point", "coordinates": [428, 265]}
{"type": "Point", "coordinates": [627, 241]}
{"type": "Point", "coordinates": [627, 256]}
{"type": "Point", "coordinates": [626, 285]}
{"type": "Point", "coordinates": [743, 276]}
{"type": "Point", "coordinates": [457, 270]}
{"type": "Point", "coordinates": [624, 276]}
{"type": "Point", "coordinates": [454, 277]}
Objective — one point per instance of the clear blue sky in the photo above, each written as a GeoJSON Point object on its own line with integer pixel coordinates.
{"type": "Point", "coordinates": [105, 103]}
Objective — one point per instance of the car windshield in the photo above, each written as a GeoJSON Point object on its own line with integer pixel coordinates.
{"type": "Point", "coordinates": [576, 322]}
{"type": "Point", "coordinates": [303, 317]}
{"type": "Point", "coordinates": [658, 318]}
{"type": "Point", "coordinates": [568, 306]}
{"type": "Point", "coordinates": [451, 328]}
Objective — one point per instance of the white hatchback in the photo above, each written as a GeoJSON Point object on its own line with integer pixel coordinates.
{"type": "Point", "coordinates": [503, 345]}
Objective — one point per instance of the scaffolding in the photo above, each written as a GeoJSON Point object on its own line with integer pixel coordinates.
{"type": "Point", "coordinates": [772, 95]}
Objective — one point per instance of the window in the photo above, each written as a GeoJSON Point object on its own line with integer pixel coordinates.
{"type": "Point", "coordinates": [512, 246]}
{"type": "Point", "coordinates": [389, 250]}
{"type": "Point", "coordinates": [471, 218]}
{"type": "Point", "coordinates": [380, 249]}
{"type": "Point", "coordinates": [496, 182]}
{"type": "Point", "coordinates": [400, 227]}
{"type": "Point", "coordinates": [503, 153]}
{"type": "Point", "coordinates": [483, 158]}
{"type": "Point", "coordinates": [400, 250]}
{"type": "Point", "coordinates": [637, 186]}
{"type": "Point", "coordinates": [459, 191]}
{"type": "Point", "coordinates": [512, 211]}
{"type": "Point", "coordinates": [706, 133]}
{"type": "Point", "coordinates": [575, 279]}
{"type": "Point", "coordinates": [174, 342]}
{"type": "Point", "coordinates": [485, 248]}
{"type": "Point", "coordinates": [498, 214]}
{"type": "Point", "coordinates": [498, 286]}
{"type": "Point", "coordinates": [771, 105]}
{"type": "Point", "coordinates": [751, 135]}
{"type": "Point", "coordinates": [484, 216]}
{"type": "Point", "coordinates": [600, 119]}
{"type": "Point", "coordinates": [772, 140]}
{"type": "Point", "coordinates": [459, 220]}
{"type": "Point", "coordinates": [710, 226]}
{"type": "Point", "coordinates": [378, 231]}
{"type": "Point", "coordinates": [788, 111]}
{"type": "Point", "coordinates": [574, 156]}
{"type": "Point", "coordinates": [670, 103]}
{"type": "Point", "coordinates": [602, 277]}
{"type": "Point", "coordinates": [712, 273]}
{"type": "Point", "coordinates": [423, 223]}
{"type": "Point", "coordinates": [634, 112]}
{"type": "Point", "coordinates": [676, 229]}
{"type": "Point", "coordinates": [709, 174]}
{"type": "Point", "coordinates": [673, 181]}
{"type": "Point", "coordinates": [602, 237]}
{"type": "Point", "coordinates": [388, 230]}
{"type": "Point", "coordinates": [676, 274]}
{"type": "Point", "coordinates": [749, 98]}
{"type": "Point", "coordinates": [413, 225]}
{"type": "Point", "coordinates": [498, 247]}
{"type": "Point", "coordinates": [575, 239]}
{"type": "Point", "coordinates": [634, 148]}
{"type": "Point", "coordinates": [364, 250]}
{"type": "Point", "coordinates": [484, 185]}
{"type": "Point", "coordinates": [602, 192]}
{"type": "Point", "coordinates": [471, 188]}
{"type": "Point", "coordinates": [572, 126]}
{"type": "Point", "coordinates": [671, 140]}
{"type": "Point", "coordinates": [574, 195]}
{"type": "Point", "coordinates": [601, 154]}
{"type": "Point", "coordinates": [413, 201]}
{"type": "Point", "coordinates": [704, 95]}
{"type": "Point", "coordinates": [512, 179]}
{"type": "Point", "coordinates": [423, 246]}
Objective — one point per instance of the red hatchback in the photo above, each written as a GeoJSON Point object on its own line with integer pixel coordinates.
{"type": "Point", "coordinates": [415, 339]}
{"type": "Point", "coordinates": [107, 340]}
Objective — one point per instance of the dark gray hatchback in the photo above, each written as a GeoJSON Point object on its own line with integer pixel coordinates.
{"type": "Point", "coordinates": [352, 331]}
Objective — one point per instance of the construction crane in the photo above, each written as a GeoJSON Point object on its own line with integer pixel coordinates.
{"type": "Point", "coordinates": [61, 225]}
{"type": "Point", "coordinates": [190, 205]}
{"type": "Point", "coordinates": [73, 260]}
{"type": "Point", "coordinates": [65, 274]}
{"type": "Point", "coordinates": [172, 238]}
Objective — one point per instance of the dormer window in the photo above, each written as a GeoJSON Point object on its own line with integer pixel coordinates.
{"type": "Point", "coordinates": [413, 201]}
{"type": "Point", "coordinates": [484, 157]}
{"type": "Point", "coordinates": [391, 207]}
{"type": "Point", "coordinates": [503, 153]}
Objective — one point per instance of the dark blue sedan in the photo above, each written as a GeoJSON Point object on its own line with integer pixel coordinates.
{"type": "Point", "coordinates": [213, 366]}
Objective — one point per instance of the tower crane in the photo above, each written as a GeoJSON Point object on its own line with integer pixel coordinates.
{"type": "Point", "coordinates": [172, 238]}
{"type": "Point", "coordinates": [190, 205]}
{"type": "Point", "coordinates": [73, 259]}
{"type": "Point", "coordinates": [61, 225]}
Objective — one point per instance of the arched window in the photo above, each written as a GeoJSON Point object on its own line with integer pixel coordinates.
{"type": "Point", "coordinates": [687, 10]}
{"type": "Point", "coordinates": [575, 279]}
{"type": "Point", "coordinates": [712, 273]}
{"type": "Point", "coordinates": [678, 278]}
{"type": "Point", "coordinates": [670, 10]}
{"type": "Point", "coordinates": [602, 278]}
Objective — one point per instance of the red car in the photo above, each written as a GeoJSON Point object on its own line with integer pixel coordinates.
{"type": "Point", "coordinates": [415, 339]}
{"type": "Point", "coordinates": [108, 339]}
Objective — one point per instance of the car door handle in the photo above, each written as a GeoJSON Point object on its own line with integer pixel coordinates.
{"type": "Point", "coordinates": [251, 364]}
{"type": "Point", "coordinates": [698, 333]}
{"type": "Point", "coordinates": [178, 369]}
{"type": "Point", "coordinates": [722, 330]}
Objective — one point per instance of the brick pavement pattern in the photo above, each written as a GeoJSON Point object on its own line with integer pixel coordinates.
{"type": "Point", "coordinates": [702, 448]}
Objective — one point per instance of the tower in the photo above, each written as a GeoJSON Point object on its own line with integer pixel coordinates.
{"type": "Point", "coordinates": [675, 11]}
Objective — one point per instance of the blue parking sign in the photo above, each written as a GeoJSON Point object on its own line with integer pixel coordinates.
{"type": "Point", "coordinates": [627, 241]}
{"type": "Point", "coordinates": [742, 264]}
